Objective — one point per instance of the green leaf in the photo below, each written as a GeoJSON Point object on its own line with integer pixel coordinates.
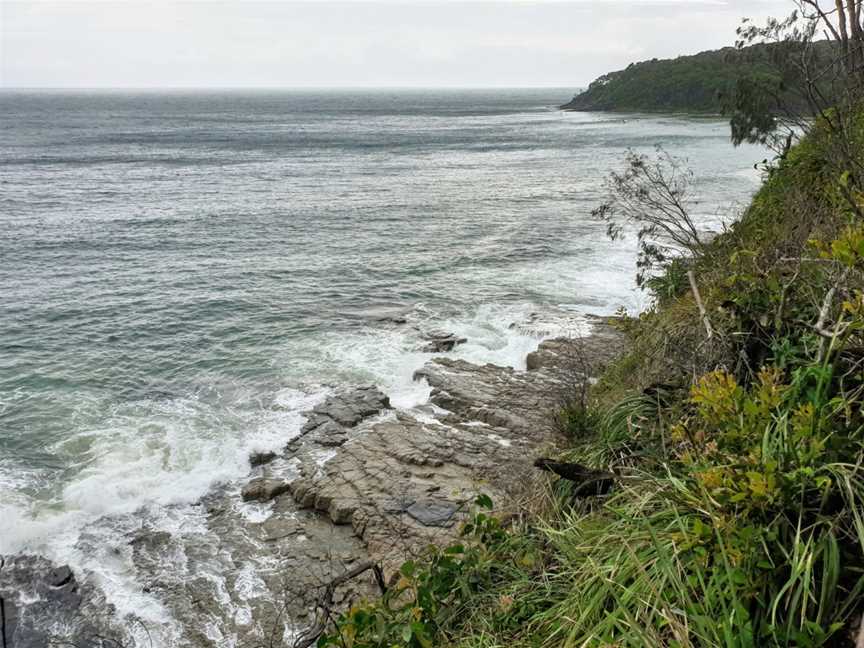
{"type": "Point", "coordinates": [484, 501]}
{"type": "Point", "coordinates": [407, 631]}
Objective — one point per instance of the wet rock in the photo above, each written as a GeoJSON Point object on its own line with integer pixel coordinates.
{"type": "Point", "coordinates": [347, 408]}
{"type": "Point", "coordinates": [261, 458]}
{"type": "Point", "coordinates": [578, 356]}
{"type": "Point", "coordinates": [263, 490]}
{"type": "Point", "coordinates": [393, 319]}
{"type": "Point", "coordinates": [332, 439]}
{"type": "Point", "coordinates": [152, 541]}
{"type": "Point", "coordinates": [60, 576]}
{"type": "Point", "coordinates": [44, 604]}
{"type": "Point", "coordinates": [441, 341]}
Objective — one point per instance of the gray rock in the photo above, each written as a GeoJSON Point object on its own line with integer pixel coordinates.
{"type": "Point", "coordinates": [433, 513]}
{"type": "Point", "coordinates": [347, 408]}
{"type": "Point", "coordinates": [332, 439]}
{"type": "Point", "coordinates": [261, 458]}
{"type": "Point", "coordinates": [577, 357]}
{"type": "Point", "coordinates": [44, 604]}
{"type": "Point", "coordinates": [263, 489]}
{"type": "Point", "coordinates": [441, 341]}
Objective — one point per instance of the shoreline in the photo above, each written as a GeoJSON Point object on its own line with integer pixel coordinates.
{"type": "Point", "coordinates": [362, 482]}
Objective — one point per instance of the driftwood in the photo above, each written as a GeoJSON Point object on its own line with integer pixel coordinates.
{"type": "Point", "coordinates": [587, 480]}
{"type": "Point", "coordinates": [702, 312]}
{"type": "Point", "coordinates": [325, 601]}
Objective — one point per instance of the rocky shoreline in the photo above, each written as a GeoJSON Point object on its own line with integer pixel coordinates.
{"type": "Point", "coordinates": [362, 483]}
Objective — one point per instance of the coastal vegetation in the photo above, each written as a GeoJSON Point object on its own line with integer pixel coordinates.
{"type": "Point", "coordinates": [709, 82]}
{"type": "Point", "coordinates": [733, 424]}
{"type": "Point", "coordinates": [685, 84]}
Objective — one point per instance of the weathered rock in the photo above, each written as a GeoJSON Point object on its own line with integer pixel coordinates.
{"type": "Point", "coordinates": [44, 604]}
{"type": "Point", "coordinates": [433, 513]}
{"type": "Point", "coordinates": [441, 341]}
{"type": "Point", "coordinates": [577, 356]}
{"type": "Point", "coordinates": [347, 408]}
{"type": "Point", "coordinates": [261, 458]}
{"type": "Point", "coordinates": [332, 439]}
{"type": "Point", "coordinates": [263, 489]}
{"type": "Point", "coordinates": [330, 434]}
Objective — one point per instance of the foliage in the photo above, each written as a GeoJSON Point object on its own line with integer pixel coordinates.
{"type": "Point", "coordinates": [653, 194]}
{"type": "Point", "coordinates": [430, 595]}
{"type": "Point", "coordinates": [809, 78]}
{"type": "Point", "coordinates": [695, 84]}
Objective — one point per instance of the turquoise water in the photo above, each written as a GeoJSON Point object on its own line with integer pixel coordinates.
{"type": "Point", "coordinates": [183, 273]}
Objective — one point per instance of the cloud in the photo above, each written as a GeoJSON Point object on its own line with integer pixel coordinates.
{"type": "Point", "coordinates": [159, 43]}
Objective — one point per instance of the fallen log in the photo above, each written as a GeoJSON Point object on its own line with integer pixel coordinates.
{"type": "Point", "coordinates": [588, 481]}
{"type": "Point", "coordinates": [325, 601]}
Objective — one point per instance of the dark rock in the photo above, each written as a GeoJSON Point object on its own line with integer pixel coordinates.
{"type": "Point", "coordinates": [347, 408]}
{"type": "Point", "coordinates": [393, 319]}
{"type": "Point", "coordinates": [60, 576]}
{"type": "Point", "coordinates": [441, 341]}
{"type": "Point", "coordinates": [261, 458]}
{"type": "Point", "coordinates": [43, 604]}
{"type": "Point", "coordinates": [433, 513]}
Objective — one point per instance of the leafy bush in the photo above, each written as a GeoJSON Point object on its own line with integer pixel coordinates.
{"type": "Point", "coordinates": [431, 595]}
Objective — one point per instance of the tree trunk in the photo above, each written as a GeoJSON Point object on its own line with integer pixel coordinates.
{"type": "Point", "coordinates": [844, 33]}
{"type": "Point", "coordinates": [853, 11]}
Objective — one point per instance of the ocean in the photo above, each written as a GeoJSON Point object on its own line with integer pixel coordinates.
{"type": "Point", "coordinates": [183, 273]}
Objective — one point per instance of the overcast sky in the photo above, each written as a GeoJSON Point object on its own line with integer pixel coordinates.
{"type": "Point", "coordinates": [276, 43]}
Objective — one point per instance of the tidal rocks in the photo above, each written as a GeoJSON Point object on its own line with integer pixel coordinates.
{"type": "Point", "coordinates": [43, 604]}
{"type": "Point", "coordinates": [261, 458]}
{"type": "Point", "coordinates": [263, 490]}
{"type": "Point", "coordinates": [347, 408]}
{"type": "Point", "coordinates": [578, 355]}
{"type": "Point", "coordinates": [441, 341]}
{"type": "Point", "coordinates": [498, 396]}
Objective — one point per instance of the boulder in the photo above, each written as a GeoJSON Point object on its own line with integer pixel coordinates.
{"type": "Point", "coordinates": [347, 408]}
{"type": "Point", "coordinates": [441, 341]}
{"type": "Point", "coordinates": [262, 489]}
{"type": "Point", "coordinates": [261, 458]}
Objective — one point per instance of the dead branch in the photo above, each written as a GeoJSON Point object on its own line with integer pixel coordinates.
{"type": "Point", "coordinates": [325, 601]}
{"type": "Point", "coordinates": [702, 312]}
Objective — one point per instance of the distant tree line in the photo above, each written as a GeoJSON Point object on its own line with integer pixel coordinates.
{"type": "Point", "coordinates": [700, 83]}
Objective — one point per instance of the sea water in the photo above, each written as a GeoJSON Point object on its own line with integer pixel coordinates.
{"type": "Point", "coordinates": [182, 274]}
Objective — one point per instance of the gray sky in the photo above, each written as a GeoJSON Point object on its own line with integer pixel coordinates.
{"type": "Point", "coordinates": [255, 43]}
